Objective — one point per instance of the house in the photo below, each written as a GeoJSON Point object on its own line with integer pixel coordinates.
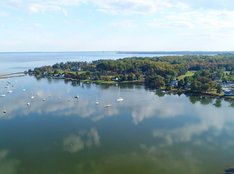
{"type": "Point", "coordinates": [174, 83]}
{"type": "Point", "coordinates": [76, 68]}
{"type": "Point", "coordinates": [115, 79]}
{"type": "Point", "coordinates": [227, 92]}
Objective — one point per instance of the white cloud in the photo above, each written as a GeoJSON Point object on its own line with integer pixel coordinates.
{"type": "Point", "coordinates": [208, 20]}
{"type": "Point", "coordinates": [107, 6]}
{"type": "Point", "coordinates": [135, 6]}
{"type": "Point", "coordinates": [37, 6]}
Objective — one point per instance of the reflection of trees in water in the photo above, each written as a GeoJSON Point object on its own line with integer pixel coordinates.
{"type": "Point", "coordinates": [75, 83]}
{"type": "Point", "coordinates": [159, 93]}
{"type": "Point", "coordinates": [202, 99]}
{"type": "Point", "coordinates": [205, 100]}
{"type": "Point", "coordinates": [218, 103]}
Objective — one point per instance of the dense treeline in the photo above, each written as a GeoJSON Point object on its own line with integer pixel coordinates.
{"type": "Point", "coordinates": [206, 72]}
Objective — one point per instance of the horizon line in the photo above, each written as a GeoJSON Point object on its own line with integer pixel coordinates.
{"type": "Point", "coordinates": [119, 51]}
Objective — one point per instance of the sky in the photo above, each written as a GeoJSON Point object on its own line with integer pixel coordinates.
{"type": "Point", "coordinates": [116, 25]}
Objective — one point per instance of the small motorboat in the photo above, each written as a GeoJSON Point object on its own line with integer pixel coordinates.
{"type": "Point", "coordinates": [120, 99]}
{"type": "Point", "coordinates": [107, 106]}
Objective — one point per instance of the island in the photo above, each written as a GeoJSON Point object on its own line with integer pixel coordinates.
{"type": "Point", "coordinates": [198, 74]}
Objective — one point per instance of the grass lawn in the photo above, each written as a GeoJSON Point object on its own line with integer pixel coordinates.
{"type": "Point", "coordinates": [187, 74]}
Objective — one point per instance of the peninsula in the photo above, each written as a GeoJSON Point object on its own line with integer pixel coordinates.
{"type": "Point", "coordinates": [202, 74]}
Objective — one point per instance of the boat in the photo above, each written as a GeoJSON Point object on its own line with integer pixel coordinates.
{"type": "Point", "coordinates": [77, 97]}
{"type": "Point", "coordinates": [32, 97]}
{"type": "Point", "coordinates": [28, 104]}
{"type": "Point", "coordinates": [10, 91]}
{"type": "Point", "coordinates": [97, 102]}
{"type": "Point", "coordinates": [4, 111]}
{"type": "Point", "coordinates": [107, 106]}
{"type": "Point", "coordinates": [2, 94]}
{"type": "Point", "coordinates": [43, 99]}
{"type": "Point", "coordinates": [119, 99]}
{"type": "Point", "coordinates": [24, 90]}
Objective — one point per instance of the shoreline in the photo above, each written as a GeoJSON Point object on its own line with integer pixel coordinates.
{"type": "Point", "coordinates": [141, 82]}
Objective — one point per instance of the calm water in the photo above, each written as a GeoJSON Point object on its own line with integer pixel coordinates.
{"type": "Point", "coordinates": [146, 133]}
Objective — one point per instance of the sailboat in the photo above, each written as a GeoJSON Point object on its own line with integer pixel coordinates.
{"type": "Point", "coordinates": [3, 95]}
{"type": "Point", "coordinates": [10, 91]}
{"type": "Point", "coordinates": [97, 102]}
{"type": "Point", "coordinates": [4, 110]}
{"type": "Point", "coordinates": [119, 99]}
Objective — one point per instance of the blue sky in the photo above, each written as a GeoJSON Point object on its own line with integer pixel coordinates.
{"type": "Point", "coordinates": [111, 25]}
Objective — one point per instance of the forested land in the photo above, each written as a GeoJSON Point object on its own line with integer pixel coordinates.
{"type": "Point", "coordinates": [197, 73]}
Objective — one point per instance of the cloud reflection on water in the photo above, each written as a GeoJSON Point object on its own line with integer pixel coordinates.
{"type": "Point", "coordinates": [7, 165]}
{"type": "Point", "coordinates": [211, 122]}
{"type": "Point", "coordinates": [84, 139]}
{"type": "Point", "coordinates": [141, 105]}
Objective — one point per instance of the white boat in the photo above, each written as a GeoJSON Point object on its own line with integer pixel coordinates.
{"type": "Point", "coordinates": [107, 106]}
{"type": "Point", "coordinates": [43, 99]}
{"type": "Point", "coordinates": [32, 97]}
{"type": "Point", "coordinates": [24, 90]}
{"type": "Point", "coordinates": [10, 91]}
{"type": "Point", "coordinates": [77, 97]}
{"type": "Point", "coordinates": [28, 104]}
{"type": "Point", "coordinates": [119, 99]}
{"type": "Point", "coordinates": [97, 102]}
{"type": "Point", "coordinates": [2, 94]}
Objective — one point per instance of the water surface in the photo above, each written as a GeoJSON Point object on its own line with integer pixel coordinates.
{"type": "Point", "coordinates": [149, 132]}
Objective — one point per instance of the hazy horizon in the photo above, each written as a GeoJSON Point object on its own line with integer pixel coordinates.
{"type": "Point", "coordinates": [122, 51]}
